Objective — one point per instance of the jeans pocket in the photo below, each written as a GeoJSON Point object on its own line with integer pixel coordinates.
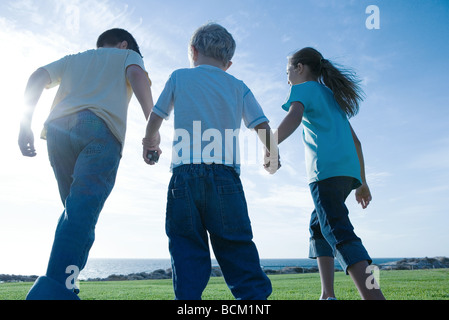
{"type": "Point", "coordinates": [53, 144]}
{"type": "Point", "coordinates": [234, 211]}
{"type": "Point", "coordinates": [179, 214]}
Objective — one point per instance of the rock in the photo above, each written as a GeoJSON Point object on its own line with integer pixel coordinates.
{"type": "Point", "coordinates": [216, 272]}
{"type": "Point", "coordinates": [416, 263]}
{"type": "Point", "coordinates": [157, 274]}
{"type": "Point", "coordinates": [292, 270]}
{"type": "Point", "coordinates": [116, 277]}
{"type": "Point", "coordinates": [16, 278]}
{"type": "Point", "coordinates": [315, 269]}
{"type": "Point", "coordinates": [271, 271]}
{"type": "Point", "coordinates": [169, 273]}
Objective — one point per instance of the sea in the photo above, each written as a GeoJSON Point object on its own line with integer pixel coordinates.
{"type": "Point", "coordinates": [102, 268]}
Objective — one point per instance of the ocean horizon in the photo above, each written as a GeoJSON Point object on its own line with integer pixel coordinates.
{"type": "Point", "coordinates": [104, 267]}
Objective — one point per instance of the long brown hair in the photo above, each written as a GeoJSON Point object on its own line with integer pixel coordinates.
{"type": "Point", "coordinates": [343, 82]}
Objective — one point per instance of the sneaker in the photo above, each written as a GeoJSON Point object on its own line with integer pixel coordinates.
{"type": "Point", "coordinates": [330, 298]}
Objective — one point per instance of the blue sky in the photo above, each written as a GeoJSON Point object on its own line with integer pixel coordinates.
{"type": "Point", "coordinates": [403, 122]}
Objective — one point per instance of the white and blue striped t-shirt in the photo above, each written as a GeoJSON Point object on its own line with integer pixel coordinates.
{"type": "Point", "coordinates": [209, 105]}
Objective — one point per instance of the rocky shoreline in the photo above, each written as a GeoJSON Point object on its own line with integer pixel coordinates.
{"type": "Point", "coordinates": [416, 263]}
{"type": "Point", "coordinates": [403, 264]}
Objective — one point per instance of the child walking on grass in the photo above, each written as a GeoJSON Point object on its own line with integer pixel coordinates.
{"type": "Point", "coordinates": [322, 98]}
{"type": "Point", "coordinates": [85, 132]}
{"type": "Point", "coordinates": [205, 194]}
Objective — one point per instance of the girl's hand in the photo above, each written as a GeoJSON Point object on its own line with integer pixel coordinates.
{"type": "Point", "coordinates": [363, 195]}
{"type": "Point", "coordinates": [272, 161]}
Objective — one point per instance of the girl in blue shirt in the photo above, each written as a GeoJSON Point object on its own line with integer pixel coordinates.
{"type": "Point", "coordinates": [322, 98]}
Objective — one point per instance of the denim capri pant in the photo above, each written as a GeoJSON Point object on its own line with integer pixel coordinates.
{"type": "Point", "coordinates": [331, 231]}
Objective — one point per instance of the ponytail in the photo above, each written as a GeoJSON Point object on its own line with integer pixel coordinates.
{"type": "Point", "coordinates": [343, 82]}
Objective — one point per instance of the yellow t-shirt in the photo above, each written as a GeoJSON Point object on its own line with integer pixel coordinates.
{"type": "Point", "coordinates": [94, 80]}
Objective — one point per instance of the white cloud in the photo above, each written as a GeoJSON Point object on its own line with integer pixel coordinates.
{"type": "Point", "coordinates": [436, 159]}
{"type": "Point", "coordinates": [377, 178]}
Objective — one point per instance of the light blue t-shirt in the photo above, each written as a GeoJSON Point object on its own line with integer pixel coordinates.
{"type": "Point", "coordinates": [209, 105]}
{"type": "Point", "coordinates": [329, 147]}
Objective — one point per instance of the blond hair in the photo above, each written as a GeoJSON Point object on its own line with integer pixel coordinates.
{"type": "Point", "coordinates": [213, 40]}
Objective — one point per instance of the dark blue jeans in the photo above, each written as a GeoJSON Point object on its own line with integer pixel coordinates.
{"type": "Point", "coordinates": [206, 199]}
{"type": "Point", "coordinates": [85, 156]}
{"type": "Point", "coordinates": [331, 231]}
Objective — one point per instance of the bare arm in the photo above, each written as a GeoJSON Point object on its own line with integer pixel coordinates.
{"type": "Point", "coordinates": [291, 121]}
{"type": "Point", "coordinates": [266, 135]}
{"type": "Point", "coordinates": [140, 83]}
{"type": "Point", "coordinates": [35, 86]}
{"type": "Point", "coordinates": [271, 159]}
{"type": "Point", "coordinates": [363, 193]}
{"type": "Point", "coordinates": [358, 147]}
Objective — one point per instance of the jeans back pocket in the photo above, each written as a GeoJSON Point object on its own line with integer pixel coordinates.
{"type": "Point", "coordinates": [179, 220]}
{"type": "Point", "coordinates": [234, 210]}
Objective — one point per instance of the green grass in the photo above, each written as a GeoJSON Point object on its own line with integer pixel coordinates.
{"type": "Point", "coordinates": [396, 285]}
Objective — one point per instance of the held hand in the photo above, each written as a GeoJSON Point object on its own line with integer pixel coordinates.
{"type": "Point", "coordinates": [26, 141]}
{"type": "Point", "coordinates": [151, 145]}
{"type": "Point", "coordinates": [363, 195]}
{"type": "Point", "coordinates": [272, 161]}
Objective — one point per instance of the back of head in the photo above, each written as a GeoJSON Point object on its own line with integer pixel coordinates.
{"type": "Point", "coordinates": [114, 36]}
{"type": "Point", "coordinates": [214, 41]}
{"type": "Point", "coordinates": [343, 82]}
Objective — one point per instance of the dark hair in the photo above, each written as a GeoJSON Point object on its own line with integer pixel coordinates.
{"type": "Point", "coordinates": [343, 82]}
{"type": "Point", "coordinates": [114, 36]}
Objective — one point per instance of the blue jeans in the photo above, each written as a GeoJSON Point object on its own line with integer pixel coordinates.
{"type": "Point", "coordinates": [331, 231]}
{"type": "Point", "coordinates": [85, 156]}
{"type": "Point", "coordinates": [209, 198]}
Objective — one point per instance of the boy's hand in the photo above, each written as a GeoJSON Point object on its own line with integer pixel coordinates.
{"type": "Point", "coordinates": [363, 195]}
{"type": "Point", "coordinates": [272, 161]}
{"type": "Point", "coordinates": [26, 141]}
{"type": "Point", "coordinates": [151, 145]}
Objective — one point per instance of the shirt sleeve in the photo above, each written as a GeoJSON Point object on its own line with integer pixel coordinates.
{"type": "Point", "coordinates": [134, 58]}
{"type": "Point", "coordinates": [298, 93]}
{"type": "Point", "coordinates": [165, 103]}
{"type": "Point", "coordinates": [56, 71]}
{"type": "Point", "coordinates": [252, 111]}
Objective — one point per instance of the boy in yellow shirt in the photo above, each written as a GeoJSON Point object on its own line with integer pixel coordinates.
{"type": "Point", "coordinates": [85, 132]}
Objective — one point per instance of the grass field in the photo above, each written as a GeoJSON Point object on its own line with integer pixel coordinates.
{"type": "Point", "coordinates": [396, 285]}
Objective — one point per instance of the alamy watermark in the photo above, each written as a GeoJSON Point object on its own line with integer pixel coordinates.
{"type": "Point", "coordinates": [72, 282]}
{"type": "Point", "coordinates": [373, 280]}
{"type": "Point", "coordinates": [373, 20]}
{"type": "Point", "coordinates": [229, 147]}
{"type": "Point", "coordinates": [71, 13]}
